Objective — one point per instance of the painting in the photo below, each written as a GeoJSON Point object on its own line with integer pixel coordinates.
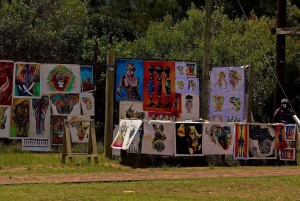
{"type": "Point", "coordinates": [132, 110]}
{"type": "Point", "coordinates": [216, 119]}
{"type": "Point", "coordinates": [217, 104]}
{"type": "Point", "coordinates": [188, 140]}
{"type": "Point", "coordinates": [290, 132]}
{"type": "Point", "coordinates": [280, 142]}
{"type": "Point", "coordinates": [180, 68]}
{"type": "Point", "coordinates": [193, 86]}
{"type": "Point", "coordinates": [6, 82]}
{"type": "Point", "coordinates": [79, 131]}
{"type": "Point", "coordinates": [87, 82]}
{"type": "Point", "coordinates": [5, 122]}
{"type": "Point", "coordinates": [234, 119]}
{"type": "Point", "coordinates": [241, 142]}
{"type": "Point", "coordinates": [57, 129]}
{"type": "Point", "coordinates": [133, 130]}
{"type": "Point", "coordinates": [191, 70]}
{"type": "Point", "coordinates": [158, 138]}
{"type": "Point", "coordinates": [159, 86]}
{"type": "Point", "coordinates": [40, 117]}
{"type": "Point", "coordinates": [262, 142]}
{"type": "Point", "coordinates": [219, 79]}
{"type": "Point", "coordinates": [65, 104]}
{"type": "Point", "coordinates": [60, 78]}
{"type": "Point", "coordinates": [116, 152]}
{"type": "Point", "coordinates": [123, 130]}
{"type": "Point", "coordinates": [36, 144]}
{"type": "Point", "coordinates": [235, 102]}
{"type": "Point", "coordinates": [163, 116]}
{"type": "Point", "coordinates": [87, 103]}
{"type": "Point", "coordinates": [20, 118]}
{"type": "Point", "coordinates": [181, 85]}
{"type": "Point", "coordinates": [287, 154]}
{"type": "Point", "coordinates": [27, 80]}
{"type": "Point", "coordinates": [190, 105]}
{"type": "Point", "coordinates": [236, 77]}
{"type": "Point", "coordinates": [218, 138]}
{"type": "Point", "coordinates": [129, 80]}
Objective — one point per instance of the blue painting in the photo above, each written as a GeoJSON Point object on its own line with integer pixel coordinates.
{"type": "Point", "coordinates": [87, 82]}
{"type": "Point", "coordinates": [129, 80]}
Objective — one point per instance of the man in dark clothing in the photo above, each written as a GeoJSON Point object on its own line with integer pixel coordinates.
{"type": "Point", "coordinates": [284, 114]}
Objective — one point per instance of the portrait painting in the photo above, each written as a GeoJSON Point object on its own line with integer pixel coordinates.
{"type": "Point", "coordinates": [87, 81]}
{"type": "Point", "coordinates": [236, 77]}
{"type": "Point", "coordinates": [290, 132]}
{"type": "Point", "coordinates": [6, 82]}
{"type": "Point", "coordinates": [219, 79]}
{"type": "Point", "coordinates": [241, 142]}
{"type": "Point", "coordinates": [132, 110]}
{"type": "Point", "coordinates": [287, 154]}
{"type": "Point", "coordinates": [217, 104]}
{"type": "Point", "coordinates": [57, 129]}
{"type": "Point", "coordinates": [191, 70]}
{"type": "Point", "coordinates": [280, 142]}
{"type": "Point", "coordinates": [193, 86]}
{"type": "Point", "coordinates": [133, 130]}
{"type": "Point", "coordinates": [20, 118]}
{"type": "Point", "coordinates": [5, 121]}
{"type": "Point", "coordinates": [80, 131]}
{"type": "Point", "coordinates": [180, 68]}
{"type": "Point", "coordinates": [190, 105]}
{"type": "Point", "coordinates": [124, 128]}
{"type": "Point", "coordinates": [235, 102]}
{"type": "Point", "coordinates": [65, 104]}
{"type": "Point", "coordinates": [87, 102]}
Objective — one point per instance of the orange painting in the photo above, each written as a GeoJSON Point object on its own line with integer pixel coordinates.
{"type": "Point", "coordinates": [280, 142]}
{"type": "Point", "coordinates": [241, 141]}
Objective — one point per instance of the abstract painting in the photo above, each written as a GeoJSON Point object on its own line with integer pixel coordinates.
{"type": "Point", "coordinates": [87, 102]}
{"type": "Point", "coordinates": [133, 129]}
{"type": "Point", "coordinates": [60, 78]}
{"type": "Point", "coordinates": [129, 80]}
{"type": "Point", "coordinates": [65, 104]}
{"type": "Point", "coordinates": [124, 128]}
{"type": "Point", "coordinates": [40, 117]}
{"type": "Point", "coordinates": [190, 105]}
{"type": "Point", "coordinates": [290, 132]}
{"type": "Point", "coordinates": [236, 79]}
{"type": "Point", "coordinates": [235, 102]}
{"type": "Point", "coordinates": [27, 80]}
{"type": "Point", "coordinates": [287, 154]}
{"type": "Point", "coordinates": [20, 118]}
{"type": "Point", "coordinates": [132, 110]}
{"type": "Point", "coordinates": [219, 79]}
{"type": "Point", "coordinates": [280, 142]}
{"type": "Point", "coordinates": [4, 122]}
{"type": "Point", "coordinates": [193, 86]}
{"type": "Point", "coordinates": [262, 142]}
{"type": "Point", "coordinates": [158, 138]}
{"type": "Point", "coordinates": [241, 142]}
{"type": "Point", "coordinates": [188, 140]}
{"type": "Point", "coordinates": [217, 104]}
{"type": "Point", "coordinates": [191, 70]}
{"type": "Point", "coordinates": [6, 82]}
{"type": "Point", "coordinates": [218, 138]}
{"type": "Point", "coordinates": [180, 68]}
{"type": "Point", "coordinates": [80, 131]}
{"type": "Point", "coordinates": [181, 85]}
{"type": "Point", "coordinates": [87, 82]}
{"type": "Point", "coordinates": [57, 129]}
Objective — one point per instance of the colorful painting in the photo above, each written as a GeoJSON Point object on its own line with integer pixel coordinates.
{"type": "Point", "coordinates": [20, 118]}
{"type": "Point", "coordinates": [217, 104]}
{"type": "Point", "coordinates": [216, 119]}
{"type": "Point", "coordinates": [80, 131]}
{"type": "Point", "coordinates": [235, 102]}
{"type": "Point", "coordinates": [133, 130]}
{"type": "Point", "coordinates": [219, 79]}
{"type": "Point", "coordinates": [234, 119]}
{"type": "Point", "coordinates": [287, 154]}
{"type": "Point", "coordinates": [4, 122]}
{"type": "Point", "coordinates": [40, 117]}
{"type": "Point", "coordinates": [180, 68]}
{"type": "Point", "coordinates": [65, 104]}
{"type": "Point", "coordinates": [193, 86]}
{"type": "Point", "coordinates": [6, 82]}
{"type": "Point", "coordinates": [241, 142]}
{"type": "Point", "coordinates": [159, 86]}
{"type": "Point", "coordinates": [87, 82]}
{"type": "Point", "coordinates": [36, 144]}
{"type": "Point", "coordinates": [190, 106]}
{"type": "Point", "coordinates": [60, 78]}
{"type": "Point", "coordinates": [280, 142]}
{"type": "Point", "coordinates": [218, 138]}
{"type": "Point", "coordinates": [158, 138]}
{"type": "Point", "coordinates": [290, 132]}
{"type": "Point", "coordinates": [132, 110]}
{"type": "Point", "coordinates": [236, 79]}
{"type": "Point", "coordinates": [123, 130]}
{"type": "Point", "coordinates": [129, 80]}
{"type": "Point", "coordinates": [191, 70]}
{"type": "Point", "coordinates": [188, 139]}
{"type": "Point", "coordinates": [27, 80]}
{"type": "Point", "coordinates": [181, 85]}
{"type": "Point", "coordinates": [262, 142]}
{"type": "Point", "coordinates": [87, 103]}
{"type": "Point", "coordinates": [57, 129]}
{"type": "Point", "coordinates": [163, 116]}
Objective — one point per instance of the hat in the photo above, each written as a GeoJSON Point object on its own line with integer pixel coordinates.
{"type": "Point", "coordinates": [284, 101]}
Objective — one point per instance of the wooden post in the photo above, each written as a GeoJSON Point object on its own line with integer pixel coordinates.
{"type": "Point", "coordinates": [206, 62]}
{"type": "Point", "coordinates": [109, 103]}
{"type": "Point", "coordinates": [250, 87]}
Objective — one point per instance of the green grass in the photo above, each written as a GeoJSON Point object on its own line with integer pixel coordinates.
{"type": "Point", "coordinates": [263, 188]}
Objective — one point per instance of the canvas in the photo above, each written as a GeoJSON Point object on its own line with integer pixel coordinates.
{"type": "Point", "coordinates": [193, 86]}
{"type": "Point", "coordinates": [20, 118]}
{"type": "Point", "coordinates": [180, 68]}
{"type": "Point", "coordinates": [36, 144]}
{"type": "Point", "coordinates": [219, 79]}
{"type": "Point", "coordinates": [216, 119]}
{"type": "Point", "coordinates": [191, 70]}
{"type": "Point", "coordinates": [190, 105]}
{"type": "Point", "coordinates": [235, 102]}
{"type": "Point", "coordinates": [87, 103]}
{"type": "Point", "coordinates": [236, 77]}
{"type": "Point", "coordinates": [132, 110]}
{"type": "Point", "coordinates": [241, 142]}
{"type": "Point", "coordinates": [280, 142]}
{"type": "Point", "coordinates": [129, 80]}
{"type": "Point", "coordinates": [287, 154]}
{"type": "Point", "coordinates": [188, 139]}
{"type": "Point", "coordinates": [79, 131]}
{"type": "Point", "coordinates": [218, 138]}
{"type": "Point", "coordinates": [60, 78]}
{"type": "Point", "coordinates": [5, 122]}
{"type": "Point", "coordinates": [27, 80]}
{"type": "Point", "coordinates": [163, 116]}
{"type": "Point", "coordinates": [262, 141]}
{"type": "Point", "coordinates": [159, 86]}
{"type": "Point", "coordinates": [290, 132]}
{"type": "Point", "coordinates": [6, 82]}
{"type": "Point", "coordinates": [40, 117]}
{"type": "Point", "coordinates": [57, 129]}
{"type": "Point", "coordinates": [158, 138]}
{"type": "Point", "coordinates": [115, 152]}
{"type": "Point", "coordinates": [122, 132]}
{"type": "Point", "coordinates": [87, 82]}
{"type": "Point", "coordinates": [181, 85]}
{"type": "Point", "coordinates": [217, 104]}
{"type": "Point", "coordinates": [133, 129]}
{"type": "Point", "coordinates": [65, 104]}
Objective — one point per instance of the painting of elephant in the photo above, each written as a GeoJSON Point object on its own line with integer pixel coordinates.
{"type": "Point", "coordinates": [64, 104]}
{"type": "Point", "coordinates": [20, 117]}
{"type": "Point", "coordinates": [40, 107]}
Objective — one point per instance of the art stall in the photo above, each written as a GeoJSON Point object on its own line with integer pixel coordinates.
{"type": "Point", "coordinates": [36, 98]}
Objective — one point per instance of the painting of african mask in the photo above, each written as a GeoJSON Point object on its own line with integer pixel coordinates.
{"type": "Point", "coordinates": [65, 104]}
{"type": "Point", "coordinates": [20, 118]}
{"type": "Point", "coordinates": [218, 138]}
{"type": "Point", "coordinates": [87, 82]}
{"type": "Point", "coordinates": [27, 80]}
{"type": "Point", "coordinates": [235, 102]}
{"type": "Point", "coordinates": [193, 86]}
{"type": "Point", "coordinates": [219, 79]}
{"type": "Point", "coordinates": [57, 129]}
{"type": "Point", "coordinates": [133, 129]}
{"type": "Point", "coordinates": [262, 142]}
{"type": "Point", "coordinates": [180, 68]}
{"type": "Point", "coordinates": [217, 104]}
{"type": "Point", "coordinates": [191, 70]}
{"type": "Point", "coordinates": [4, 122]}
{"type": "Point", "coordinates": [40, 117]}
{"type": "Point", "coordinates": [241, 141]}
{"type": "Point", "coordinates": [132, 110]}
{"type": "Point", "coordinates": [80, 131]}
{"type": "Point", "coordinates": [87, 102]}
{"type": "Point", "coordinates": [64, 78]}
{"type": "Point", "coordinates": [124, 128]}
{"type": "Point", "coordinates": [236, 79]}
{"type": "Point", "coordinates": [188, 139]}
{"type": "Point", "coordinates": [6, 82]}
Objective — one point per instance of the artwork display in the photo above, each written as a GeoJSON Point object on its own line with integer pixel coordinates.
{"type": "Point", "coordinates": [217, 104]}
{"type": "Point", "coordinates": [241, 142]}
{"type": "Point", "coordinates": [65, 104]}
{"type": "Point", "coordinates": [57, 129]}
{"type": "Point", "coordinates": [129, 80]}
{"type": "Point", "coordinates": [87, 82]}
{"type": "Point", "coordinates": [79, 131]}
{"type": "Point", "coordinates": [60, 78]}
{"type": "Point", "coordinates": [280, 142]}
{"type": "Point", "coordinates": [6, 83]}
{"type": "Point", "coordinates": [290, 132]}
{"type": "Point", "coordinates": [36, 144]}
{"type": "Point", "coordinates": [193, 86]}
{"type": "Point", "coordinates": [132, 110]}
{"type": "Point", "coordinates": [158, 138]}
{"type": "Point", "coordinates": [181, 85]}
{"type": "Point", "coordinates": [20, 118]}
{"type": "Point", "coordinates": [87, 103]}
{"type": "Point", "coordinates": [27, 80]}
{"type": "Point", "coordinates": [236, 79]}
{"type": "Point", "coordinates": [190, 105]}
{"type": "Point", "coordinates": [287, 154]}
{"type": "Point", "coordinates": [123, 130]}
{"type": "Point", "coordinates": [235, 102]}
{"type": "Point", "coordinates": [115, 152]}
{"type": "Point", "coordinates": [133, 130]}
{"type": "Point", "coordinates": [163, 116]}
{"type": "Point", "coordinates": [5, 122]}
{"type": "Point", "coordinates": [191, 70]}
{"type": "Point", "coordinates": [219, 79]}
{"type": "Point", "coordinates": [218, 138]}
{"type": "Point", "coordinates": [180, 68]}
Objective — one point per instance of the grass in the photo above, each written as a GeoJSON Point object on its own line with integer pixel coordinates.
{"type": "Point", "coordinates": [262, 188]}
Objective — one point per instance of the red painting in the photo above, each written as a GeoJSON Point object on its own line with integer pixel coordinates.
{"type": "Point", "coordinates": [280, 142]}
{"type": "Point", "coordinates": [241, 141]}
{"type": "Point", "coordinates": [6, 82]}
